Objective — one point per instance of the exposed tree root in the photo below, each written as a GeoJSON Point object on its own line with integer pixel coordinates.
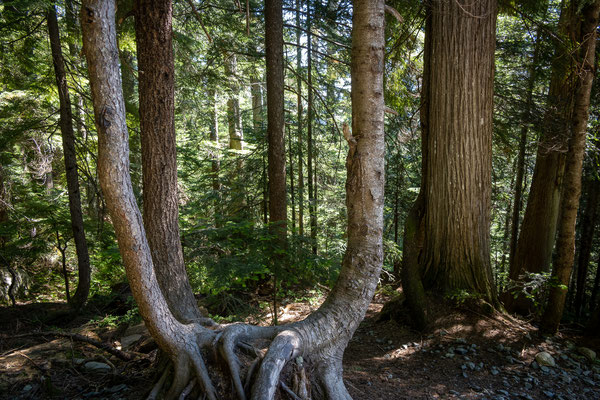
{"type": "Point", "coordinates": [270, 349]}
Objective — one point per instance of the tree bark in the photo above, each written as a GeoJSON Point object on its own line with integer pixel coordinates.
{"type": "Point", "coordinates": [300, 125]}
{"type": "Point", "coordinates": [276, 118]}
{"type": "Point", "coordinates": [458, 124]}
{"type": "Point", "coordinates": [585, 32]}
{"type": "Point", "coordinates": [588, 225]}
{"type": "Point", "coordinates": [526, 120]}
{"type": "Point", "coordinates": [309, 140]}
{"type": "Point", "coordinates": [215, 163]}
{"type": "Point", "coordinates": [323, 336]}
{"type": "Point", "coordinates": [159, 164]}
{"type": "Point", "coordinates": [533, 252]}
{"type": "Point", "coordinates": [596, 286]}
{"type": "Point", "coordinates": [68, 140]}
{"type": "Point", "coordinates": [234, 117]}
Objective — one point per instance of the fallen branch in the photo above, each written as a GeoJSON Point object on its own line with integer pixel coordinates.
{"type": "Point", "coordinates": [79, 338]}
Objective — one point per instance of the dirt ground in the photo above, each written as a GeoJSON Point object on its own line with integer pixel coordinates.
{"type": "Point", "coordinates": [468, 356]}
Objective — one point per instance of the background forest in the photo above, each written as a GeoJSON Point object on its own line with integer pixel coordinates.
{"type": "Point", "coordinates": [220, 120]}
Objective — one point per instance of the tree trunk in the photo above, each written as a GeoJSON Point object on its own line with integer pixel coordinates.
{"type": "Point", "coordinates": [159, 163]}
{"type": "Point", "coordinates": [596, 287]}
{"type": "Point", "coordinates": [215, 163]}
{"type": "Point", "coordinates": [309, 139]}
{"type": "Point", "coordinates": [458, 124]}
{"type": "Point", "coordinates": [68, 140]}
{"type": "Point", "coordinates": [275, 118]}
{"type": "Point", "coordinates": [234, 117]}
{"type": "Point", "coordinates": [585, 32]}
{"type": "Point", "coordinates": [526, 120]}
{"type": "Point", "coordinates": [323, 336]}
{"type": "Point", "coordinates": [533, 252]}
{"type": "Point", "coordinates": [300, 125]}
{"type": "Point", "coordinates": [588, 225]}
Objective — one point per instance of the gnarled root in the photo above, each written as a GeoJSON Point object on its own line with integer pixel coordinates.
{"type": "Point", "coordinates": [263, 376]}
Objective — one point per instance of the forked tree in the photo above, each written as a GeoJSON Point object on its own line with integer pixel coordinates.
{"type": "Point", "coordinates": [322, 337]}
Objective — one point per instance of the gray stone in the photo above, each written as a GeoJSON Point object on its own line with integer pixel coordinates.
{"type": "Point", "coordinates": [494, 371]}
{"type": "Point", "coordinates": [94, 366]}
{"type": "Point", "coordinates": [461, 350]}
{"type": "Point", "coordinates": [127, 341]}
{"type": "Point", "coordinates": [27, 388]}
{"type": "Point", "coordinates": [549, 394]}
{"type": "Point", "coordinates": [587, 353]}
{"type": "Point", "coordinates": [545, 359]}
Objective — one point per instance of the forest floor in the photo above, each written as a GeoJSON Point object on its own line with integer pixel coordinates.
{"type": "Point", "coordinates": [467, 356]}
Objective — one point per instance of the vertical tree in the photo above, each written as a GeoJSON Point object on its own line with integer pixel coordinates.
{"type": "Point", "coordinates": [159, 165]}
{"type": "Point", "coordinates": [588, 225]}
{"type": "Point", "coordinates": [533, 251]}
{"type": "Point", "coordinates": [456, 125]}
{"type": "Point", "coordinates": [70, 156]}
{"type": "Point", "coordinates": [275, 117]}
{"type": "Point", "coordinates": [585, 34]}
{"type": "Point", "coordinates": [300, 124]}
{"type": "Point", "coordinates": [323, 336]}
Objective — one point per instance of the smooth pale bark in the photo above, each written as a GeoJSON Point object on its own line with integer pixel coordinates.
{"type": "Point", "coordinates": [275, 117]}
{"type": "Point", "coordinates": [159, 163]}
{"type": "Point", "coordinates": [533, 252]}
{"type": "Point", "coordinates": [458, 125]}
{"type": "Point", "coordinates": [565, 243]}
{"type": "Point", "coordinates": [100, 49]}
{"type": "Point", "coordinates": [70, 156]}
{"type": "Point", "coordinates": [323, 336]}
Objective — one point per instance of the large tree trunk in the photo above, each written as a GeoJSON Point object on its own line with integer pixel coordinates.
{"type": "Point", "coordinates": [159, 163]}
{"type": "Point", "coordinates": [68, 140]}
{"type": "Point", "coordinates": [533, 252]}
{"type": "Point", "coordinates": [323, 336]}
{"type": "Point", "coordinates": [585, 32]}
{"type": "Point", "coordinates": [458, 136]}
{"type": "Point", "coordinates": [275, 118]}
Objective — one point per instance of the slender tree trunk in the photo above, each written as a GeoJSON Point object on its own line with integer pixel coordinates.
{"type": "Point", "coordinates": [68, 140]}
{"type": "Point", "coordinates": [309, 138]}
{"type": "Point", "coordinates": [215, 163]}
{"type": "Point", "coordinates": [300, 125]}
{"type": "Point", "coordinates": [292, 186]}
{"type": "Point", "coordinates": [588, 225]}
{"type": "Point", "coordinates": [533, 251]}
{"type": "Point", "coordinates": [565, 243]}
{"type": "Point", "coordinates": [159, 163]}
{"type": "Point", "coordinates": [526, 120]}
{"type": "Point", "coordinates": [596, 287]}
{"type": "Point", "coordinates": [234, 117]}
{"type": "Point", "coordinates": [458, 124]}
{"type": "Point", "coordinates": [276, 118]}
